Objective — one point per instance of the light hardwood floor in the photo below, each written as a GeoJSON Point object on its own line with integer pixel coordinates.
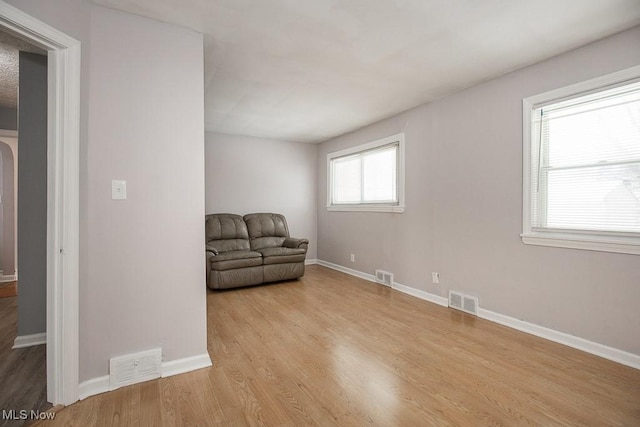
{"type": "Point", "coordinates": [332, 349]}
{"type": "Point", "coordinates": [23, 379]}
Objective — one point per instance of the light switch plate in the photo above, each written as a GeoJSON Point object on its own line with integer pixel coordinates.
{"type": "Point", "coordinates": [118, 189]}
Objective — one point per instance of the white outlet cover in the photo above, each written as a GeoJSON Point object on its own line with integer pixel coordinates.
{"type": "Point", "coordinates": [435, 277]}
{"type": "Point", "coordinates": [118, 189]}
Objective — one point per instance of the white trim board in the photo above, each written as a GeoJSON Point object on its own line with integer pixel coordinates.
{"type": "Point", "coordinates": [614, 354]}
{"type": "Point", "coordinates": [427, 296]}
{"type": "Point", "coordinates": [610, 353]}
{"type": "Point", "coordinates": [352, 272]}
{"type": "Point", "coordinates": [312, 261]}
{"type": "Point", "coordinates": [4, 279]}
{"type": "Point", "coordinates": [63, 141]}
{"type": "Point", "coordinates": [23, 341]}
{"type": "Point", "coordinates": [187, 364]}
{"type": "Point", "coordinates": [100, 385]}
{"type": "Point", "coordinates": [93, 386]}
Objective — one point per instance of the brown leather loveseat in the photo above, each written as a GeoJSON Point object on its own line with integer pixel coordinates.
{"type": "Point", "coordinates": [249, 250]}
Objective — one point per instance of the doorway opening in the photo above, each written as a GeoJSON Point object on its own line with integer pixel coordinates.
{"type": "Point", "coordinates": [62, 254]}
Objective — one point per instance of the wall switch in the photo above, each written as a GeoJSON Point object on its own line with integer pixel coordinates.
{"type": "Point", "coordinates": [118, 189]}
{"type": "Point", "coordinates": [435, 277]}
{"type": "Point", "coordinates": [353, 257]}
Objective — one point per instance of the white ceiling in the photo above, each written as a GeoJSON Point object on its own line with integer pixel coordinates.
{"type": "Point", "coordinates": [308, 70]}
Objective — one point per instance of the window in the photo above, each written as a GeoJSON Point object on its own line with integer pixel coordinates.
{"type": "Point", "coordinates": [582, 165]}
{"type": "Point", "coordinates": [369, 177]}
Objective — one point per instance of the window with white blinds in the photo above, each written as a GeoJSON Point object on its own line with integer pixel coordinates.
{"type": "Point", "coordinates": [582, 166]}
{"type": "Point", "coordinates": [368, 177]}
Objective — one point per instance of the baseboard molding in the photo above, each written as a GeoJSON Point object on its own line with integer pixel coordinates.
{"type": "Point", "coordinates": [173, 367]}
{"type": "Point", "coordinates": [312, 261]}
{"type": "Point", "coordinates": [614, 354]}
{"type": "Point", "coordinates": [22, 341]}
{"type": "Point", "coordinates": [427, 296]}
{"type": "Point", "coordinates": [10, 278]}
{"type": "Point", "coordinates": [610, 353]}
{"type": "Point", "coordinates": [347, 270]}
{"type": "Point", "coordinates": [93, 386]}
{"type": "Point", "coordinates": [187, 364]}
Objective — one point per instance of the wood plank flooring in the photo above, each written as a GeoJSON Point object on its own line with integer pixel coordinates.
{"type": "Point", "coordinates": [23, 378]}
{"type": "Point", "coordinates": [9, 289]}
{"type": "Point", "coordinates": [331, 349]}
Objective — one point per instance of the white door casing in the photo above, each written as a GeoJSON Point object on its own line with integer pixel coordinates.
{"type": "Point", "coordinates": [62, 198]}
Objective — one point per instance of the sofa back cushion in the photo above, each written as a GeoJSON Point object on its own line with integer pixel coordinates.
{"type": "Point", "coordinates": [226, 232]}
{"type": "Point", "coordinates": [266, 230]}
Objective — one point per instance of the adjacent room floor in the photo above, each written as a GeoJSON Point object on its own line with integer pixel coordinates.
{"type": "Point", "coordinates": [331, 349]}
{"type": "Point", "coordinates": [23, 378]}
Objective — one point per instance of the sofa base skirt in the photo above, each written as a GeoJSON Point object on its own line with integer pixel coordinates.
{"type": "Point", "coordinates": [235, 278]}
{"type": "Point", "coordinates": [278, 272]}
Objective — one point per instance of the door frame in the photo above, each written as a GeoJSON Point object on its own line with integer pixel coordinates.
{"type": "Point", "coordinates": [63, 134]}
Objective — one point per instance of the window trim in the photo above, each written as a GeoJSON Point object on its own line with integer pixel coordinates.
{"type": "Point", "coordinates": [628, 243]}
{"type": "Point", "coordinates": [369, 207]}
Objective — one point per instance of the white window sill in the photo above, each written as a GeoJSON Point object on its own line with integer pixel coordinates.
{"type": "Point", "coordinates": [365, 208]}
{"type": "Point", "coordinates": [585, 241]}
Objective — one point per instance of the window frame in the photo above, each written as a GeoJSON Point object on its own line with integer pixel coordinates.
{"type": "Point", "coordinates": [606, 241]}
{"type": "Point", "coordinates": [359, 149]}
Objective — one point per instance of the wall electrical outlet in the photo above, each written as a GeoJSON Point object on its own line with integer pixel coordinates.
{"type": "Point", "coordinates": [435, 277]}
{"type": "Point", "coordinates": [118, 189]}
{"type": "Point", "coordinates": [353, 257]}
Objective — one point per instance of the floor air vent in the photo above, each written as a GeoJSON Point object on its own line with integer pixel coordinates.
{"type": "Point", "coordinates": [135, 368]}
{"type": "Point", "coordinates": [384, 277]}
{"type": "Point", "coordinates": [463, 302]}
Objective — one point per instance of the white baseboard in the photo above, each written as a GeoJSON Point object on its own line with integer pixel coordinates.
{"type": "Point", "coordinates": [312, 261]}
{"type": "Point", "coordinates": [372, 278]}
{"type": "Point", "coordinates": [436, 299]}
{"type": "Point", "coordinates": [173, 367]}
{"type": "Point", "coordinates": [360, 274]}
{"type": "Point", "coordinates": [610, 353]}
{"type": "Point", "coordinates": [4, 278]}
{"type": "Point", "coordinates": [30, 340]}
{"type": "Point", "coordinates": [93, 386]}
{"type": "Point", "coordinates": [614, 354]}
{"type": "Point", "coordinates": [187, 364]}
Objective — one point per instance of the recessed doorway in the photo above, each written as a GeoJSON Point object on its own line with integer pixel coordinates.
{"type": "Point", "coordinates": [63, 118]}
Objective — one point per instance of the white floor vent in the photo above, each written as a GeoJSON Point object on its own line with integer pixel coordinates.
{"type": "Point", "coordinates": [384, 277]}
{"type": "Point", "coordinates": [135, 368]}
{"type": "Point", "coordinates": [464, 302]}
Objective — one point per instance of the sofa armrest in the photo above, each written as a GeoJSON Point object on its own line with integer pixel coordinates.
{"type": "Point", "coordinates": [210, 253]}
{"type": "Point", "coordinates": [208, 259]}
{"type": "Point", "coordinates": [290, 242]}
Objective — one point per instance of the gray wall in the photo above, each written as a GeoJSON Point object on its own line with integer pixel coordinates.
{"type": "Point", "coordinates": [8, 118]}
{"type": "Point", "coordinates": [464, 209]}
{"type": "Point", "coordinates": [32, 191]}
{"type": "Point", "coordinates": [245, 174]}
{"type": "Point", "coordinates": [142, 282]}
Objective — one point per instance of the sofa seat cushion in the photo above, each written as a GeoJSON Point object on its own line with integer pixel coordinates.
{"type": "Point", "coordinates": [282, 255]}
{"type": "Point", "coordinates": [235, 259]}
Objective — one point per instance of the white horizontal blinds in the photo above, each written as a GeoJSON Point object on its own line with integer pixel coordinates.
{"type": "Point", "coordinates": [347, 172]}
{"type": "Point", "coordinates": [380, 172]}
{"type": "Point", "coordinates": [586, 163]}
{"type": "Point", "coordinates": [368, 177]}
